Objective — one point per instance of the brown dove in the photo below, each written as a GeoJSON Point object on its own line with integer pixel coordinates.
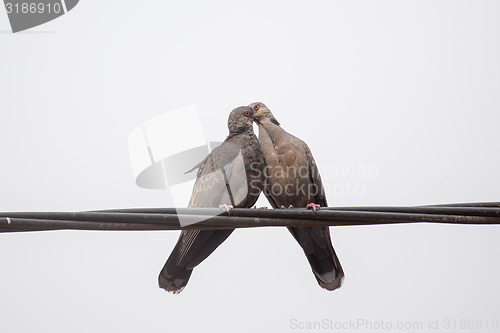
{"type": "Point", "coordinates": [293, 180]}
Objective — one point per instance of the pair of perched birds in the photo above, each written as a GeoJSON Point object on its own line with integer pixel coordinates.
{"type": "Point", "coordinates": [277, 163]}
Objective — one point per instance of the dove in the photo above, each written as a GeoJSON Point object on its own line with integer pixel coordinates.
{"type": "Point", "coordinates": [231, 174]}
{"type": "Point", "coordinates": [293, 180]}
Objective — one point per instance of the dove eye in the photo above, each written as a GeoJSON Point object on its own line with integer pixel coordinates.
{"type": "Point", "coordinates": [256, 107]}
{"type": "Point", "coordinates": [247, 114]}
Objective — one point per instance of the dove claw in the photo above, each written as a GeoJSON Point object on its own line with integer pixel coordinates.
{"type": "Point", "coordinates": [228, 208]}
{"type": "Point", "coordinates": [313, 206]}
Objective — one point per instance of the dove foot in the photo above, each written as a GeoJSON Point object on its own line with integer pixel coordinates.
{"type": "Point", "coordinates": [313, 206]}
{"type": "Point", "coordinates": [228, 208]}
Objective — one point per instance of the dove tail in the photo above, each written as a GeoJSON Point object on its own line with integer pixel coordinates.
{"type": "Point", "coordinates": [191, 249]}
{"type": "Point", "coordinates": [173, 277]}
{"type": "Point", "coordinates": [319, 251]}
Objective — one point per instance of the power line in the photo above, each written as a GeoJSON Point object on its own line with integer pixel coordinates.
{"type": "Point", "coordinates": [214, 218]}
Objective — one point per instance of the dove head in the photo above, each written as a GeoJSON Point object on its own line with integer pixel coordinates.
{"type": "Point", "coordinates": [261, 113]}
{"type": "Point", "coordinates": [240, 120]}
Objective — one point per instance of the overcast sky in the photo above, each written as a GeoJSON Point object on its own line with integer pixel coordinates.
{"type": "Point", "coordinates": [398, 101]}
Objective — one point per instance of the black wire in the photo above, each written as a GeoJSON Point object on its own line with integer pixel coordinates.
{"type": "Point", "coordinates": [215, 218]}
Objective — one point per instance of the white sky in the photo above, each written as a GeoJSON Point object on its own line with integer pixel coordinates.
{"type": "Point", "coordinates": [407, 88]}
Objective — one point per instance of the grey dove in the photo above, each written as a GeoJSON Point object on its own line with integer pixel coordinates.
{"type": "Point", "coordinates": [230, 174]}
